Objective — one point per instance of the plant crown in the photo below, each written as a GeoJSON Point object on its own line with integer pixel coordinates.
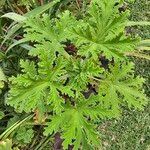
{"type": "Point", "coordinates": [56, 84]}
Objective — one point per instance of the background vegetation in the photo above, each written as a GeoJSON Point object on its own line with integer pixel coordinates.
{"type": "Point", "coordinates": [130, 132]}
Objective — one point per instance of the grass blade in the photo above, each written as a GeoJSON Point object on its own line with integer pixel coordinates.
{"type": "Point", "coordinates": [144, 45]}
{"type": "Point", "coordinates": [139, 55]}
{"type": "Point", "coordinates": [145, 48]}
{"type": "Point", "coordinates": [12, 31]}
{"type": "Point", "coordinates": [41, 9]}
{"type": "Point", "coordinates": [145, 42]}
{"type": "Point", "coordinates": [16, 43]}
{"type": "Point", "coordinates": [37, 11]}
{"type": "Point", "coordinates": [14, 16]}
{"type": "Point", "coordinates": [7, 132]}
{"type": "Point", "coordinates": [138, 23]}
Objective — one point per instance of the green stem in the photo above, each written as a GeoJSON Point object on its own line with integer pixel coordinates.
{"type": "Point", "coordinates": [42, 144]}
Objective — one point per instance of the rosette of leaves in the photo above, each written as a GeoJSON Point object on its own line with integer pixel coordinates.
{"type": "Point", "coordinates": [55, 83]}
